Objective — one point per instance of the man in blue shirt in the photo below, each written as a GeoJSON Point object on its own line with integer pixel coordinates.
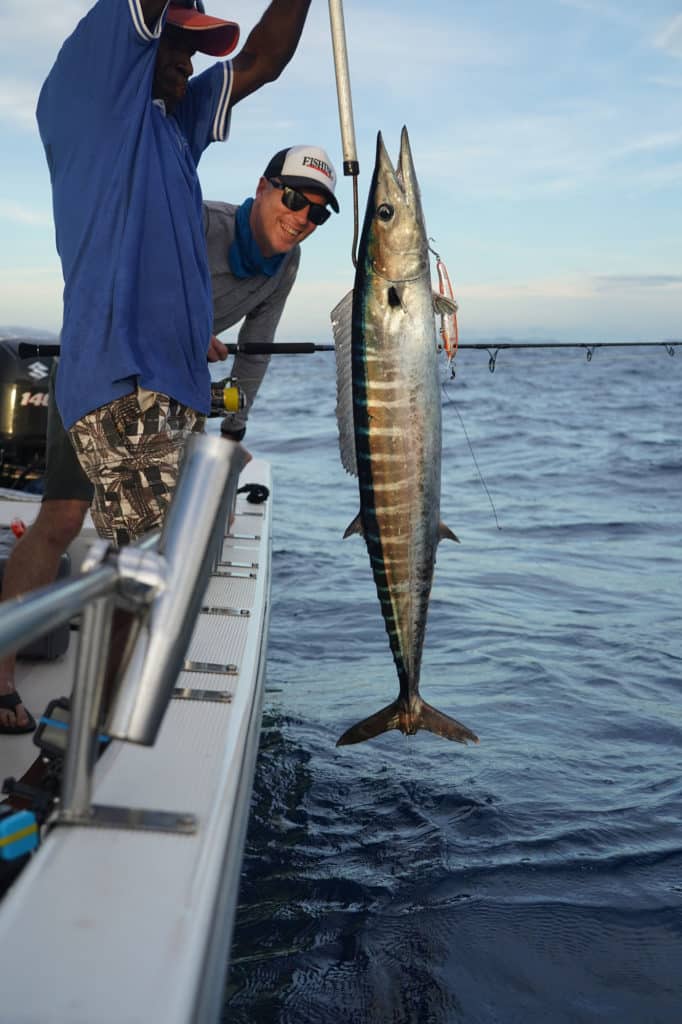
{"type": "Point", "coordinates": [124, 125]}
{"type": "Point", "coordinates": [254, 253]}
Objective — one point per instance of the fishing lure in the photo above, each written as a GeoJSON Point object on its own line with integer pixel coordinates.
{"type": "Point", "coordinates": [446, 307]}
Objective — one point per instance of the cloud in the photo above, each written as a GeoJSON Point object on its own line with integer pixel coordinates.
{"type": "Point", "coordinates": [18, 100]}
{"type": "Point", "coordinates": [568, 287]}
{"type": "Point", "coordinates": [628, 282]}
{"type": "Point", "coordinates": [652, 143]}
{"type": "Point", "coordinates": [604, 10]}
{"type": "Point", "coordinates": [397, 54]}
{"type": "Point", "coordinates": [39, 24]}
{"type": "Point", "coordinates": [30, 39]}
{"type": "Point", "coordinates": [523, 155]}
{"type": "Point", "coordinates": [609, 307]}
{"type": "Point", "coordinates": [556, 152]}
{"type": "Point", "coordinates": [666, 81]}
{"type": "Point", "coordinates": [24, 215]}
{"type": "Point", "coordinates": [669, 39]}
{"type": "Point", "coordinates": [35, 289]}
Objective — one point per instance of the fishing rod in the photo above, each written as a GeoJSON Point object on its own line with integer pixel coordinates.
{"type": "Point", "coordinates": [259, 348]}
{"type": "Point", "coordinates": [307, 347]}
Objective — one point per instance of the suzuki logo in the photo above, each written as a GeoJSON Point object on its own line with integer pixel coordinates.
{"type": "Point", "coordinates": [38, 370]}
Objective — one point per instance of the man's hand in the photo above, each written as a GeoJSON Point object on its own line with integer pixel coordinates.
{"type": "Point", "coordinates": [216, 350]}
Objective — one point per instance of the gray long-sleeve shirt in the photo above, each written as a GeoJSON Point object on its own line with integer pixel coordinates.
{"type": "Point", "coordinates": [258, 301]}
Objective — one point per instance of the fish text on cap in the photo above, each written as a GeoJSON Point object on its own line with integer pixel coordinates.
{"type": "Point", "coordinates": [318, 165]}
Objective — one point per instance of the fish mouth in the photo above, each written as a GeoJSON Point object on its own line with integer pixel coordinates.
{"type": "Point", "coordinates": [401, 251]}
{"type": "Point", "coordinates": [403, 176]}
{"type": "Point", "coordinates": [382, 272]}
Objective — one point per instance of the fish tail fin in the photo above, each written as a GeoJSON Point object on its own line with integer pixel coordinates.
{"type": "Point", "coordinates": [409, 719]}
{"type": "Point", "coordinates": [442, 725]}
{"type": "Point", "coordinates": [383, 721]}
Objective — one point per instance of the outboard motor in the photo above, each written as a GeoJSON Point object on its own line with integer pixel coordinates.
{"type": "Point", "coordinates": [25, 365]}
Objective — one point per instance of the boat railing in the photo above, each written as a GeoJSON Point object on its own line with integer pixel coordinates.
{"type": "Point", "coordinates": [156, 585]}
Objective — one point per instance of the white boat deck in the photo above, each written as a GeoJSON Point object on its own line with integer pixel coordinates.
{"type": "Point", "coordinates": [113, 925]}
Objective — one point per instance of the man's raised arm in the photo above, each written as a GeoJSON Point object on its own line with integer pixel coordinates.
{"type": "Point", "coordinates": [269, 48]}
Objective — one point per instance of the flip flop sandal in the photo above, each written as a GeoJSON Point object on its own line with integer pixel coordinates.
{"type": "Point", "coordinates": [8, 702]}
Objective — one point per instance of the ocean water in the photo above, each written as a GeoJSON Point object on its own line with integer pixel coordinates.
{"type": "Point", "coordinates": [536, 877]}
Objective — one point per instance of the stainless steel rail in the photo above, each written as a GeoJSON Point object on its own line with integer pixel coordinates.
{"type": "Point", "coordinates": [161, 581]}
{"type": "Point", "coordinates": [31, 615]}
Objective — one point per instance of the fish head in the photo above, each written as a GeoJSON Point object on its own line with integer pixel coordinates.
{"type": "Point", "coordinates": [394, 229]}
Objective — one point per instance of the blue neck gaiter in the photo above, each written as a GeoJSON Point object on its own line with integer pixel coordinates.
{"type": "Point", "coordinates": [244, 255]}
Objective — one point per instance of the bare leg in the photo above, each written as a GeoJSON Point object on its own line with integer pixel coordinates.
{"type": "Point", "coordinates": [34, 563]}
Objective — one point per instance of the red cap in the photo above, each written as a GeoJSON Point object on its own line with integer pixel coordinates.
{"type": "Point", "coordinates": [211, 35]}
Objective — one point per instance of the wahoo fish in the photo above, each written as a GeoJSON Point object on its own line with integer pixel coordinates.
{"type": "Point", "coordinates": [389, 419]}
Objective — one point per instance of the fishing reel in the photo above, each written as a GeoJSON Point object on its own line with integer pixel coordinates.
{"type": "Point", "coordinates": [226, 396]}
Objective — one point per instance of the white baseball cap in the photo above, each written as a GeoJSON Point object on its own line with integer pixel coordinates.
{"type": "Point", "coordinates": [305, 167]}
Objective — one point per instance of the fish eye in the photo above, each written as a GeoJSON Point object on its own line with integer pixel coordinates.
{"type": "Point", "coordinates": [385, 211]}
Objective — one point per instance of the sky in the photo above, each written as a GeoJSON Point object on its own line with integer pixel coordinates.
{"type": "Point", "coordinates": [546, 134]}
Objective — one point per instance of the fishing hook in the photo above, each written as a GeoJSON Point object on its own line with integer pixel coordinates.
{"type": "Point", "coordinates": [670, 349]}
{"type": "Point", "coordinates": [493, 359]}
{"type": "Point", "coordinates": [354, 247]}
{"type": "Point", "coordinates": [590, 352]}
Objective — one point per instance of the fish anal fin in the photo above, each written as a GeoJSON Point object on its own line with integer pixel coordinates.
{"type": "Point", "coordinates": [445, 533]}
{"type": "Point", "coordinates": [355, 527]}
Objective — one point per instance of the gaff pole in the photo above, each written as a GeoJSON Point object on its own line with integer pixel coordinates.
{"type": "Point", "coordinates": [351, 167]}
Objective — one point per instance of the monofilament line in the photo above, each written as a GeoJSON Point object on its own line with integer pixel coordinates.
{"type": "Point", "coordinates": [473, 456]}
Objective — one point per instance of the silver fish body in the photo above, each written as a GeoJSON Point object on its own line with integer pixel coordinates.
{"type": "Point", "coordinates": [394, 443]}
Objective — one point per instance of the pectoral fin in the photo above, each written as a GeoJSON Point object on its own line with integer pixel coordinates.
{"type": "Point", "coordinates": [341, 317]}
{"type": "Point", "coordinates": [445, 533]}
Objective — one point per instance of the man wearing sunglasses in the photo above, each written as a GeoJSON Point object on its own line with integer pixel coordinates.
{"type": "Point", "coordinates": [124, 124]}
{"type": "Point", "coordinates": [254, 254]}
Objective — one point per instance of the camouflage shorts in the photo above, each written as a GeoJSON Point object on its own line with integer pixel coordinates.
{"type": "Point", "coordinates": [133, 457]}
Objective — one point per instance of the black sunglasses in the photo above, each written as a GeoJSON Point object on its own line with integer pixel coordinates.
{"type": "Point", "coordinates": [296, 201]}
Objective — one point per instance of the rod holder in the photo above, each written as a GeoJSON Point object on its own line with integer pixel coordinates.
{"type": "Point", "coordinates": [81, 750]}
{"type": "Point", "coordinates": [203, 496]}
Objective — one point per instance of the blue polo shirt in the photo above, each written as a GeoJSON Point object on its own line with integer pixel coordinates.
{"type": "Point", "coordinates": [127, 214]}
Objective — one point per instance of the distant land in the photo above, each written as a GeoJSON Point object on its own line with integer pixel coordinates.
{"type": "Point", "coordinates": [13, 331]}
